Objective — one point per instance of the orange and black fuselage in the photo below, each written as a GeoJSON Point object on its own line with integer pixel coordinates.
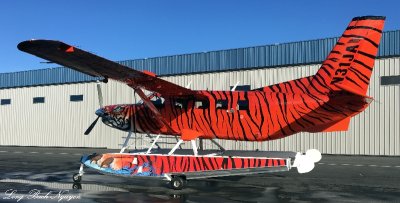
{"type": "Point", "coordinates": [238, 115]}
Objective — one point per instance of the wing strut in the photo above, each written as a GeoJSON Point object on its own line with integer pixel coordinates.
{"type": "Point", "coordinates": [154, 109]}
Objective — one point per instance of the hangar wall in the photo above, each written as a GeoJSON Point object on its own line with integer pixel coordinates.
{"type": "Point", "coordinates": [59, 122]}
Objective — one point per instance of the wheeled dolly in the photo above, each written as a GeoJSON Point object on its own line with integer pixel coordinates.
{"type": "Point", "coordinates": [77, 177]}
{"type": "Point", "coordinates": [178, 182]}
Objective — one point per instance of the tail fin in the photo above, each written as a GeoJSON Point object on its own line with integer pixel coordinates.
{"type": "Point", "coordinates": [349, 65]}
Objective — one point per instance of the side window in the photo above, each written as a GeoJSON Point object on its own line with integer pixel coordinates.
{"type": "Point", "coordinates": [158, 102]}
{"type": "Point", "coordinates": [243, 105]}
{"type": "Point", "coordinates": [5, 101]}
{"type": "Point", "coordinates": [201, 104]}
{"type": "Point", "coordinates": [181, 103]}
{"type": "Point", "coordinates": [221, 104]}
{"type": "Point", "coordinates": [38, 100]}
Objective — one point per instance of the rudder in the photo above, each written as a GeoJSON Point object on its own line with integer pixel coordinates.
{"type": "Point", "coordinates": [349, 65]}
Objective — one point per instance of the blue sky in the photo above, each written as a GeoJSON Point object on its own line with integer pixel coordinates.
{"type": "Point", "coordinates": [122, 30]}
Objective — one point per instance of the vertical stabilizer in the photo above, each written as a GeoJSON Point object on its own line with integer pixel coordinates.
{"type": "Point", "coordinates": [349, 65]}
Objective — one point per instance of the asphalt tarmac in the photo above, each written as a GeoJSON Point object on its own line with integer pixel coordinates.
{"type": "Point", "coordinates": [32, 174]}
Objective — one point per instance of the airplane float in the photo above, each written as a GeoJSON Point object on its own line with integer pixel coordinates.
{"type": "Point", "coordinates": [323, 102]}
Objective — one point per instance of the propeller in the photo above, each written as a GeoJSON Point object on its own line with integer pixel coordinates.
{"type": "Point", "coordinates": [99, 94]}
{"type": "Point", "coordinates": [90, 128]}
{"type": "Point", "coordinates": [99, 112]}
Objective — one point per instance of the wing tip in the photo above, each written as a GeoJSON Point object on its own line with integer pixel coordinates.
{"type": "Point", "coordinates": [27, 44]}
{"type": "Point", "coordinates": [22, 46]}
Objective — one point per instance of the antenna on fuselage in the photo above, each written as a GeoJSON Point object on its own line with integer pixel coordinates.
{"type": "Point", "coordinates": [188, 85]}
{"type": "Point", "coordinates": [234, 87]}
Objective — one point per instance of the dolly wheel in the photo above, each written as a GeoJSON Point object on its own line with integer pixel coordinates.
{"type": "Point", "coordinates": [76, 186]}
{"type": "Point", "coordinates": [177, 183]}
{"type": "Point", "coordinates": [77, 178]}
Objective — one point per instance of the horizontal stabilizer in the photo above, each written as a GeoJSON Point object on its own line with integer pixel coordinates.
{"type": "Point", "coordinates": [342, 125]}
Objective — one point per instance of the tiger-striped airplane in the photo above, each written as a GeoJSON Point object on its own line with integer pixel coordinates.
{"type": "Point", "coordinates": [323, 102]}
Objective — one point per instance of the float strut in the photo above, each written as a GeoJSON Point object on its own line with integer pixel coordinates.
{"type": "Point", "coordinates": [175, 147]}
{"type": "Point", "coordinates": [152, 144]}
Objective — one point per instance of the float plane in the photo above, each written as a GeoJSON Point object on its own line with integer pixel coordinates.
{"type": "Point", "coordinates": [324, 102]}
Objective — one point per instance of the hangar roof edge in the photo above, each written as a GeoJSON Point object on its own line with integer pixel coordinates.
{"type": "Point", "coordinates": [276, 55]}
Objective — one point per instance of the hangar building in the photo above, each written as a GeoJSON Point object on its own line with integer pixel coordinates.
{"type": "Point", "coordinates": [53, 107]}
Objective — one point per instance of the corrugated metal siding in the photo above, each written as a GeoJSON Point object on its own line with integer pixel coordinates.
{"type": "Point", "coordinates": [304, 52]}
{"type": "Point", "coordinates": [390, 44]}
{"type": "Point", "coordinates": [42, 77]}
{"type": "Point", "coordinates": [59, 122]}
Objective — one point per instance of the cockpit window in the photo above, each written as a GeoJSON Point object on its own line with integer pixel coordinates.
{"type": "Point", "coordinates": [158, 102]}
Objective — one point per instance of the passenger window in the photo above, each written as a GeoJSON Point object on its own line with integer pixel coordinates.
{"type": "Point", "coordinates": [201, 104]}
{"type": "Point", "coordinates": [222, 104]}
{"type": "Point", "coordinates": [243, 105]}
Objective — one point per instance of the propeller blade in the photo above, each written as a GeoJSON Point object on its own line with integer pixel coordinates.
{"type": "Point", "coordinates": [100, 95]}
{"type": "Point", "coordinates": [90, 128]}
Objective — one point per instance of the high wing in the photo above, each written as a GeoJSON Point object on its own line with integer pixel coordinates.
{"type": "Point", "coordinates": [93, 65]}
